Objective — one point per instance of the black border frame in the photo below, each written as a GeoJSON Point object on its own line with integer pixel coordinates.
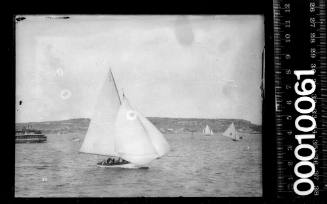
{"type": "Point", "coordinates": [239, 7]}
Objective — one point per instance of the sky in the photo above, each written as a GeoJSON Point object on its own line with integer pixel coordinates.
{"type": "Point", "coordinates": [168, 66]}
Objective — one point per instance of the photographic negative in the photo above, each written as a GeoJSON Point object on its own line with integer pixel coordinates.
{"type": "Point", "coordinates": [130, 106]}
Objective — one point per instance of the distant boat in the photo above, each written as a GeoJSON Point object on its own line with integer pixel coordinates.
{"type": "Point", "coordinates": [29, 136]}
{"type": "Point", "coordinates": [232, 133]}
{"type": "Point", "coordinates": [76, 139]}
{"type": "Point", "coordinates": [207, 131]}
{"type": "Point", "coordinates": [119, 131]}
{"type": "Point", "coordinates": [170, 130]}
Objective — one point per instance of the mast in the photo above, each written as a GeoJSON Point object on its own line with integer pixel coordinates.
{"type": "Point", "coordinates": [112, 132]}
{"type": "Point", "coordinates": [100, 137]}
{"type": "Point", "coordinates": [115, 86]}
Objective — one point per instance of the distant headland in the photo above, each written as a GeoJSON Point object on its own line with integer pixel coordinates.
{"type": "Point", "coordinates": [165, 125]}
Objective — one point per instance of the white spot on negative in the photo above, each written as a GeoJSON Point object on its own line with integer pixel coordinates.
{"type": "Point", "coordinates": [60, 72]}
{"type": "Point", "coordinates": [65, 94]}
{"type": "Point", "coordinates": [131, 115]}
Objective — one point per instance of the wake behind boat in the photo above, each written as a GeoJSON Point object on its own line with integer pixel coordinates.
{"type": "Point", "coordinates": [119, 131]}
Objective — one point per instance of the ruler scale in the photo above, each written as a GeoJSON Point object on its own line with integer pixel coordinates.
{"type": "Point", "coordinates": [300, 97]}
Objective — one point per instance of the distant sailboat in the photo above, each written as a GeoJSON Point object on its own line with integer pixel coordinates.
{"type": "Point", "coordinates": [119, 131]}
{"type": "Point", "coordinates": [232, 133]}
{"type": "Point", "coordinates": [207, 131]}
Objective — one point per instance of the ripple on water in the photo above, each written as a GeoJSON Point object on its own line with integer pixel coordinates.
{"type": "Point", "coordinates": [196, 166]}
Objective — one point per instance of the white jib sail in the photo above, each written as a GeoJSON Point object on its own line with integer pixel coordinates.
{"type": "Point", "coordinates": [231, 132]}
{"type": "Point", "coordinates": [134, 139]}
{"type": "Point", "coordinates": [157, 139]}
{"type": "Point", "coordinates": [100, 138]}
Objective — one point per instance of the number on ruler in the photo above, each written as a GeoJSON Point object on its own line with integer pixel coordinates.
{"type": "Point", "coordinates": [313, 53]}
{"type": "Point", "coordinates": [316, 190]}
{"type": "Point", "coordinates": [287, 37]}
{"type": "Point", "coordinates": [312, 7]}
{"type": "Point", "coordinates": [287, 7]}
{"type": "Point", "coordinates": [289, 148]}
{"type": "Point", "coordinates": [313, 22]}
{"type": "Point", "coordinates": [314, 111]}
{"type": "Point", "coordinates": [316, 155]}
{"type": "Point", "coordinates": [312, 37]}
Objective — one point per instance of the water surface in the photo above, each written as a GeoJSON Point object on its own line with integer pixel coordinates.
{"type": "Point", "coordinates": [197, 165]}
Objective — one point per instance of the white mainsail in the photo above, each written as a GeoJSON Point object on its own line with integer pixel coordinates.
{"type": "Point", "coordinates": [207, 131]}
{"type": "Point", "coordinates": [100, 137]}
{"type": "Point", "coordinates": [231, 132]}
{"type": "Point", "coordinates": [126, 133]}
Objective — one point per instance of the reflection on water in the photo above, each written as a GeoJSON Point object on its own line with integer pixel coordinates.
{"type": "Point", "coordinates": [196, 166]}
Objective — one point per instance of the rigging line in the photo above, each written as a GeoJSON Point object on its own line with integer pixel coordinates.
{"type": "Point", "coordinates": [115, 85]}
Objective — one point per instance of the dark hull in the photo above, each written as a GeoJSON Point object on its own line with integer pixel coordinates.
{"type": "Point", "coordinates": [123, 166]}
